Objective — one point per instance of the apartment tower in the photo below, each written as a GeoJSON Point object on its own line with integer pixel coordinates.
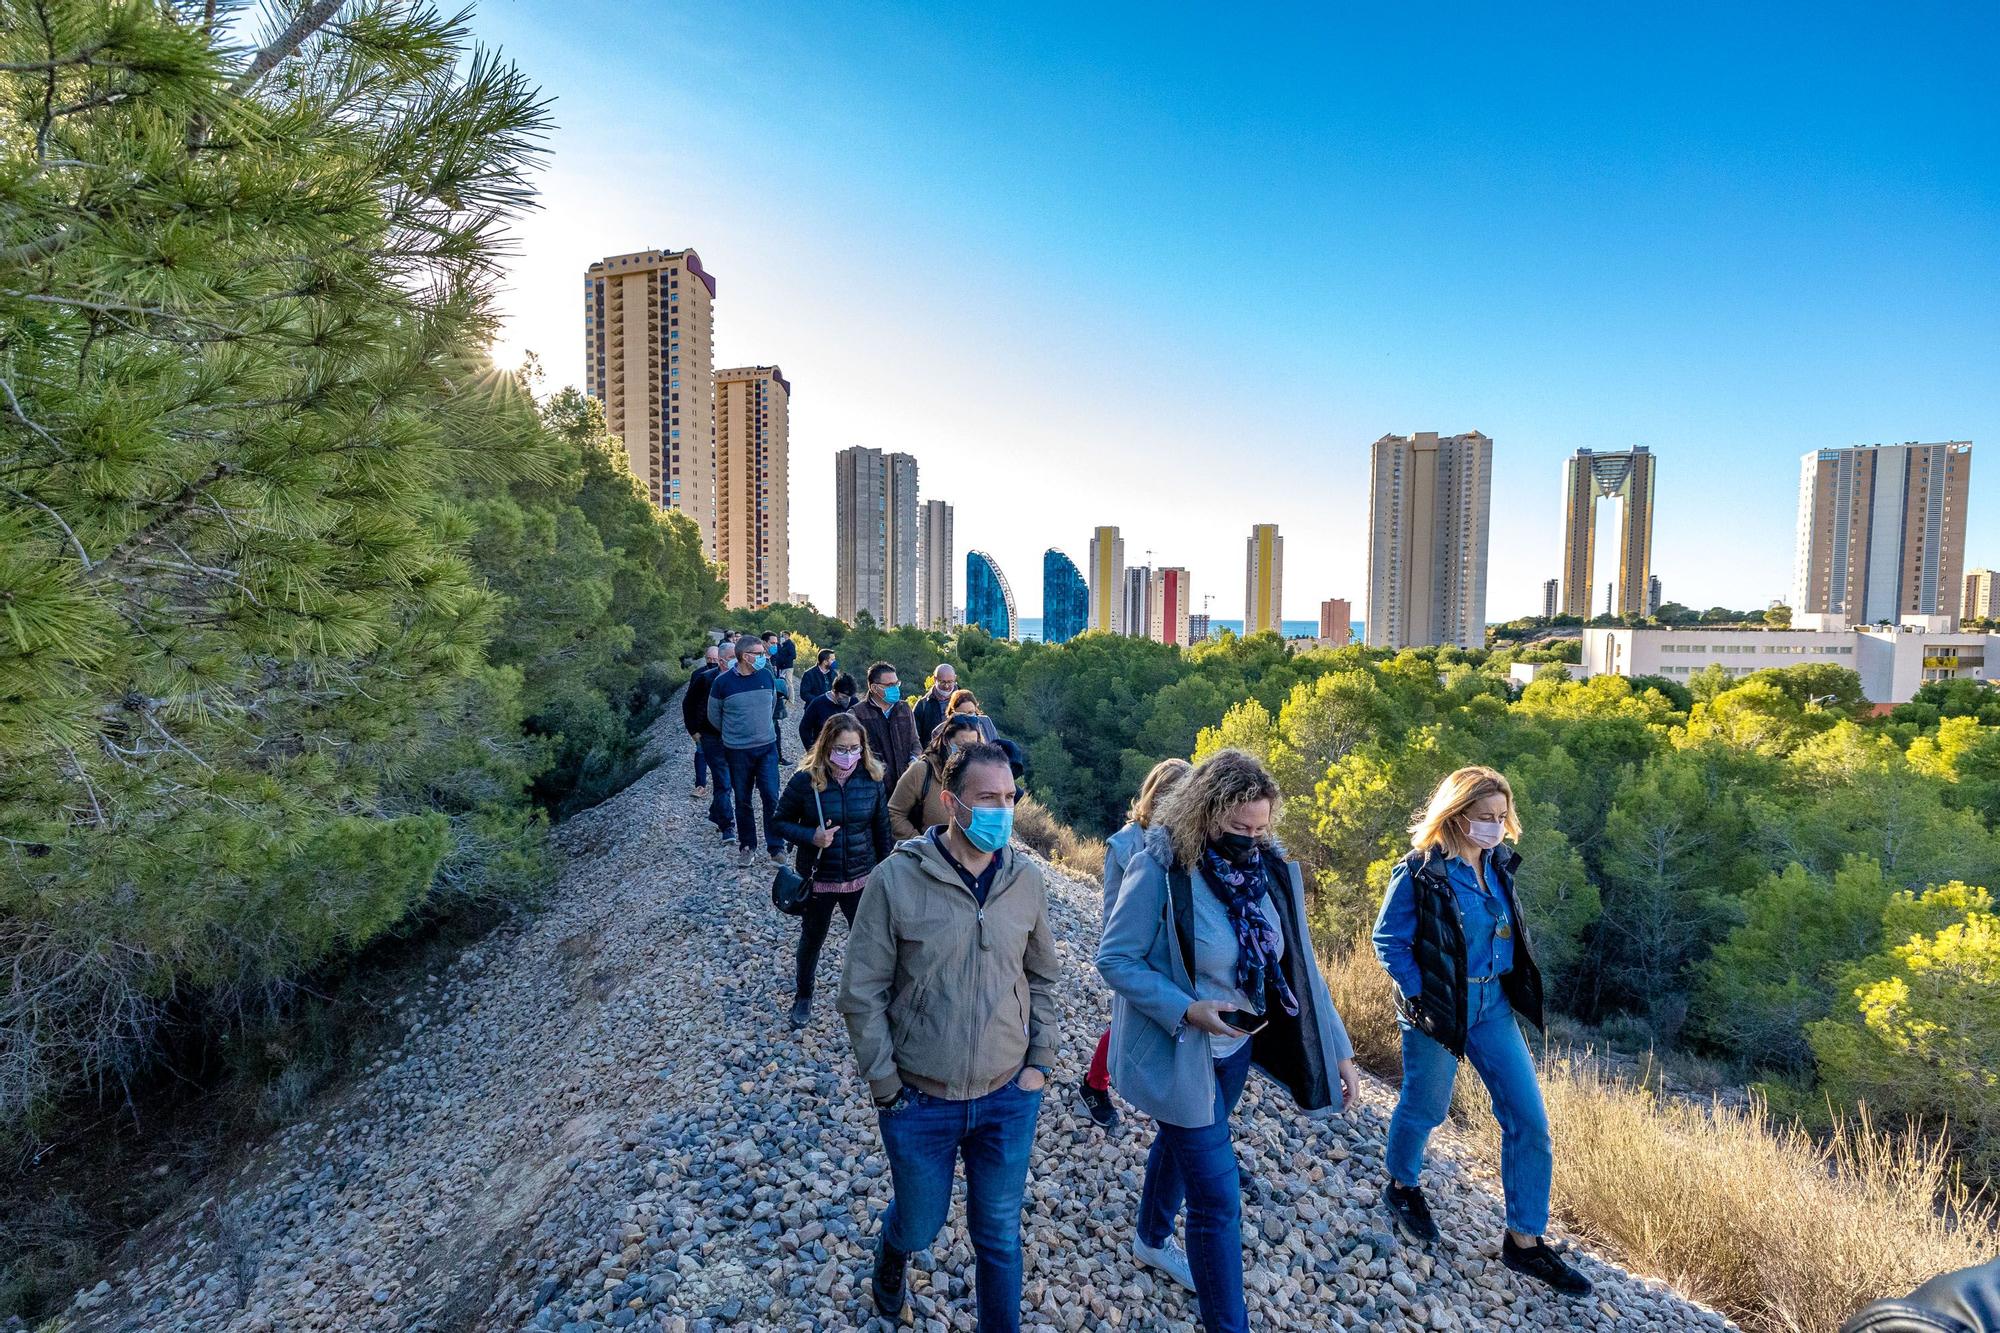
{"type": "Point", "coordinates": [649, 358]}
{"type": "Point", "coordinates": [1882, 531]}
{"type": "Point", "coordinates": [1588, 479]}
{"type": "Point", "coordinates": [1138, 608]}
{"type": "Point", "coordinates": [1169, 612]}
{"type": "Point", "coordinates": [1982, 596]}
{"type": "Point", "coordinates": [1551, 598]}
{"type": "Point", "coordinates": [753, 507]}
{"type": "Point", "coordinates": [1336, 622]}
{"type": "Point", "coordinates": [901, 507]}
{"type": "Point", "coordinates": [875, 535]}
{"type": "Point", "coordinates": [1065, 598]}
{"type": "Point", "coordinates": [989, 598]}
{"type": "Point", "coordinates": [1107, 581]}
{"type": "Point", "coordinates": [934, 556]}
{"type": "Point", "coordinates": [1264, 580]}
{"type": "Point", "coordinates": [1429, 498]}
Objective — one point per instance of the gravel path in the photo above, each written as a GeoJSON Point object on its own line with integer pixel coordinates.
{"type": "Point", "coordinates": [600, 1120]}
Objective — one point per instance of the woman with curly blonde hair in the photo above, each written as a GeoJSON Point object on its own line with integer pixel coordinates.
{"type": "Point", "coordinates": [1211, 964]}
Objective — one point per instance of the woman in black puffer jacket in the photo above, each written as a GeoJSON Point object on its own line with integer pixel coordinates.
{"type": "Point", "coordinates": [835, 810]}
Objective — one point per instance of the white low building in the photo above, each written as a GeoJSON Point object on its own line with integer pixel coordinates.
{"type": "Point", "coordinates": [1892, 661]}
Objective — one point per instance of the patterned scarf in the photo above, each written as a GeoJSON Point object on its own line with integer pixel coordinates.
{"type": "Point", "coordinates": [1257, 941]}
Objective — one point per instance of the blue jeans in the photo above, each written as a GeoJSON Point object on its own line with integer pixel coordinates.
{"type": "Point", "coordinates": [700, 764]}
{"type": "Point", "coordinates": [1494, 1045]}
{"type": "Point", "coordinates": [1198, 1166]}
{"type": "Point", "coordinates": [924, 1138]}
{"type": "Point", "coordinates": [758, 768]}
{"type": "Point", "coordinates": [721, 812]}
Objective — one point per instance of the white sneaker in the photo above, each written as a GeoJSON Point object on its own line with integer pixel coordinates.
{"type": "Point", "coordinates": [1169, 1259]}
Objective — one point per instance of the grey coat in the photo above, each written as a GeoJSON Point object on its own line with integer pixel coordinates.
{"type": "Point", "coordinates": [1159, 1063]}
{"type": "Point", "coordinates": [1119, 849]}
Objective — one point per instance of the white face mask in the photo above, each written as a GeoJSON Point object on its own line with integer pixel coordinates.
{"type": "Point", "coordinates": [1485, 833]}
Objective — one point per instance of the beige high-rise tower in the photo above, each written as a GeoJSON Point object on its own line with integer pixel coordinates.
{"type": "Point", "coordinates": [753, 507]}
{"type": "Point", "coordinates": [1882, 531]}
{"type": "Point", "coordinates": [1429, 499]}
{"type": "Point", "coordinates": [1588, 479]}
{"type": "Point", "coordinates": [934, 564]}
{"type": "Point", "coordinates": [1264, 580]}
{"type": "Point", "coordinates": [649, 357]}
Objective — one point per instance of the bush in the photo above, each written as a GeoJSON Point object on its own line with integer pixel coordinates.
{"type": "Point", "coordinates": [1057, 842]}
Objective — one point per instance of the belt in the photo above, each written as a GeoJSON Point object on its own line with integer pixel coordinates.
{"type": "Point", "coordinates": [1474, 981]}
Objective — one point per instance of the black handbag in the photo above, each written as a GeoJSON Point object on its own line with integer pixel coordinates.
{"type": "Point", "coordinates": [791, 891]}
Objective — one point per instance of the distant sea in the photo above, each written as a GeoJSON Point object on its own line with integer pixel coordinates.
{"type": "Point", "coordinates": [1031, 628]}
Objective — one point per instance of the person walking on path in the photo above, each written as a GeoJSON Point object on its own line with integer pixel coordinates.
{"type": "Point", "coordinates": [708, 740]}
{"type": "Point", "coordinates": [740, 707]}
{"type": "Point", "coordinates": [918, 802]}
{"type": "Point", "coordinates": [949, 996]}
{"type": "Point", "coordinates": [694, 711]}
{"type": "Point", "coordinates": [892, 731]}
{"type": "Point", "coordinates": [1211, 964]}
{"type": "Point", "coordinates": [1119, 849]}
{"type": "Point", "coordinates": [1452, 938]}
{"type": "Point", "coordinates": [835, 810]}
{"type": "Point", "coordinates": [817, 680]}
{"type": "Point", "coordinates": [838, 699]}
{"type": "Point", "coordinates": [779, 654]}
{"type": "Point", "coordinates": [935, 706]}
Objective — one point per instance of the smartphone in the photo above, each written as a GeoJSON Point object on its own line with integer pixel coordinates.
{"type": "Point", "coordinates": [1256, 1024]}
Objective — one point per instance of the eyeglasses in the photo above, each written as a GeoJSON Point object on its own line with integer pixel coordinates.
{"type": "Point", "coordinates": [846, 749]}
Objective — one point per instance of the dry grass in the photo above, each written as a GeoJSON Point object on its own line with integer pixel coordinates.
{"type": "Point", "coordinates": [1056, 841]}
{"type": "Point", "coordinates": [1784, 1232]}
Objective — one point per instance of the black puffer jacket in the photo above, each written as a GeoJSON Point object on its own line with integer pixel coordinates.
{"type": "Point", "coordinates": [1439, 1008]}
{"type": "Point", "coordinates": [859, 807]}
{"type": "Point", "coordinates": [1967, 1301]}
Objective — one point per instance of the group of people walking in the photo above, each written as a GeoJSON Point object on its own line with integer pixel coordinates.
{"type": "Point", "coordinates": [901, 814]}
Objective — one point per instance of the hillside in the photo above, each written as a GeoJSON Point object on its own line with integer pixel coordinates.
{"type": "Point", "coordinates": [599, 1119]}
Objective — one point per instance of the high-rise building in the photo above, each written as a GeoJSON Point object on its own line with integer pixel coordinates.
{"type": "Point", "coordinates": [1264, 580]}
{"type": "Point", "coordinates": [1428, 503]}
{"type": "Point", "coordinates": [1652, 594]}
{"type": "Point", "coordinates": [649, 358]}
{"type": "Point", "coordinates": [1065, 598]}
{"type": "Point", "coordinates": [1589, 478]}
{"type": "Point", "coordinates": [934, 560]}
{"type": "Point", "coordinates": [753, 507]}
{"type": "Point", "coordinates": [1168, 614]}
{"type": "Point", "coordinates": [1882, 531]}
{"type": "Point", "coordinates": [1198, 627]}
{"type": "Point", "coordinates": [1551, 598]}
{"type": "Point", "coordinates": [989, 602]}
{"type": "Point", "coordinates": [1982, 595]}
{"type": "Point", "coordinates": [875, 535]}
{"type": "Point", "coordinates": [1107, 581]}
{"type": "Point", "coordinates": [1138, 608]}
{"type": "Point", "coordinates": [901, 506]}
{"type": "Point", "coordinates": [1336, 622]}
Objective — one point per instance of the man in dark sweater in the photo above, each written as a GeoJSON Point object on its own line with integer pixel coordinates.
{"type": "Point", "coordinates": [818, 680]}
{"type": "Point", "coordinates": [892, 731]}
{"type": "Point", "coordinates": [839, 699]}
{"type": "Point", "coordinates": [709, 765]}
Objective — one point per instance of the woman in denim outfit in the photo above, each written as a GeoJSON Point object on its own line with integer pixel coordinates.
{"type": "Point", "coordinates": [1451, 936]}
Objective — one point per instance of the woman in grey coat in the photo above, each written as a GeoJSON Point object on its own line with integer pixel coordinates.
{"type": "Point", "coordinates": [1211, 964]}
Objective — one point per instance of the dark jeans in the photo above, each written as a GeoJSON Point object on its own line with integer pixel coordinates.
{"type": "Point", "coordinates": [1199, 1166]}
{"type": "Point", "coordinates": [720, 811]}
{"type": "Point", "coordinates": [700, 764]}
{"type": "Point", "coordinates": [924, 1138]}
{"type": "Point", "coordinates": [759, 769]}
{"type": "Point", "coordinates": [812, 932]}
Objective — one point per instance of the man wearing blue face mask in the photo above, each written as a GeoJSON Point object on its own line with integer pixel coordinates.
{"type": "Point", "coordinates": [949, 996]}
{"type": "Point", "coordinates": [891, 727]}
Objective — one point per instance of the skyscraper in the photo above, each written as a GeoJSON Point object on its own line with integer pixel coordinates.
{"type": "Point", "coordinates": [1198, 627]}
{"type": "Point", "coordinates": [989, 601]}
{"type": "Point", "coordinates": [1065, 598]}
{"type": "Point", "coordinates": [1652, 594]}
{"type": "Point", "coordinates": [1336, 622]}
{"type": "Point", "coordinates": [1551, 598]}
{"type": "Point", "coordinates": [1982, 595]}
{"type": "Point", "coordinates": [875, 535]}
{"type": "Point", "coordinates": [753, 507]}
{"type": "Point", "coordinates": [1168, 614]}
{"type": "Point", "coordinates": [1138, 608]}
{"type": "Point", "coordinates": [1264, 580]}
{"type": "Point", "coordinates": [900, 470]}
{"type": "Point", "coordinates": [934, 559]}
{"type": "Point", "coordinates": [1587, 479]}
{"type": "Point", "coordinates": [1107, 581]}
{"type": "Point", "coordinates": [649, 358]}
{"type": "Point", "coordinates": [1428, 502]}
{"type": "Point", "coordinates": [1882, 531]}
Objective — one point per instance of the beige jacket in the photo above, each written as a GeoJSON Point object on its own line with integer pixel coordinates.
{"type": "Point", "coordinates": [940, 993]}
{"type": "Point", "coordinates": [912, 810]}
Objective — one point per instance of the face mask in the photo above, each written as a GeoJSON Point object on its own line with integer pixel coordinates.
{"type": "Point", "coordinates": [1235, 848]}
{"type": "Point", "coordinates": [1485, 833]}
{"type": "Point", "coordinates": [892, 694]}
{"type": "Point", "coordinates": [844, 760]}
{"type": "Point", "coordinates": [991, 827]}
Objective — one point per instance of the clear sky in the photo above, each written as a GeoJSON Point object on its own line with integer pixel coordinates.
{"type": "Point", "coordinates": [1174, 267]}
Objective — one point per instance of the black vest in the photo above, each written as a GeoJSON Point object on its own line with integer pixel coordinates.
{"type": "Point", "coordinates": [1439, 1009]}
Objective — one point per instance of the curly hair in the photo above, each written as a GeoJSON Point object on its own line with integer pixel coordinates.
{"type": "Point", "coordinates": [1193, 812]}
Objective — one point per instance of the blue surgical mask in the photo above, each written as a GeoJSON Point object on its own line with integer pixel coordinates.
{"type": "Point", "coordinates": [991, 827]}
{"type": "Point", "coordinates": [892, 694]}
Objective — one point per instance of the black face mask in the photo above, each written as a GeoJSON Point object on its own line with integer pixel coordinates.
{"type": "Point", "coordinates": [1235, 848]}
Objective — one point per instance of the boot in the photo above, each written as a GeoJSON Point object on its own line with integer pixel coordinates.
{"type": "Point", "coordinates": [802, 1004]}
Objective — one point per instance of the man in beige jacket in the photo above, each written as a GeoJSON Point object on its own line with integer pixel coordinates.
{"type": "Point", "coordinates": [949, 996]}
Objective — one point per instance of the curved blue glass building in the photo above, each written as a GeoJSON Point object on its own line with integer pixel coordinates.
{"type": "Point", "coordinates": [989, 602]}
{"type": "Point", "coordinates": [1065, 598]}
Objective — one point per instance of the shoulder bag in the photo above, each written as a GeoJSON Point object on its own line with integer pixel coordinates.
{"type": "Point", "coordinates": [791, 891]}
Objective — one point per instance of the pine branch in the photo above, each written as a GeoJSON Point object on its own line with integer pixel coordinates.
{"type": "Point", "coordinates": [309, 21]}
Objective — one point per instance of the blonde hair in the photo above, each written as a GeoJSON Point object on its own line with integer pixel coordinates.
{"type": "Point", "coordinates": [1194, 810]}
{"type": "Point", "coordinates": [1441, 826]}
{"type": "Point", "coordinates": [817, 763]}
{"type": "Point", "coordinates": [961, 697]}
{"type": "Point", "coordinates": [1166, 775]}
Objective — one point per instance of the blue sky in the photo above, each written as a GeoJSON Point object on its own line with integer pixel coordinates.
{"type": "Point", "coordinates": [1175, 268]}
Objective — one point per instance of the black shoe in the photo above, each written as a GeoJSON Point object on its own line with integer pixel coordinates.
{"type": "Point", "coordinates": [1412, 1213]}
{"type": "Point", "coordinates": [802, 1009]}
{"type": "Point", "coordinates": [1540, 1262]}
{"type": "Point", "coordinates": [1102, 1110]}
{"type": "Point", "coordinates": [890, 1290]}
